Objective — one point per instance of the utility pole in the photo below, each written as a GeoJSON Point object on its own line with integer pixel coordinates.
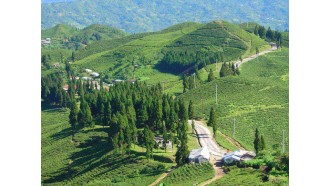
{"type": "Point", "coordinates": [216, 93]}
{"type": "Point", "coordinates": [195, 80]}
{"type": "Point", "coordinates": [283, 143]}
{"type": "Point", "coordinates": [234, 129]}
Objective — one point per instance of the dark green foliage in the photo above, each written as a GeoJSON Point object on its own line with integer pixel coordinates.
{"type": "Point", "coordinates": [149, 142]}
{"type": "Point", "coordinates": [262, 143]}
{"type": "Point", "coordinates": [212, 120]}
{"type": "Point", "coordinates": [193, 126]}
{"type": "Point", "coordinates": [210, 76]}
{"type": "Point", "coordinates": [191, 113]}
{"type": "Point", "coordinates": [256, 141]}
{"type": "Point", "coordinates": [181, 156]}
{"type": "Point", "coordinates": [73, 117]}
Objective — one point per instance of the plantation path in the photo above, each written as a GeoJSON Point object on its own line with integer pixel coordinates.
{"type": "Point", "coordinates": [159, 179]}
{"type": "Point", "coordinates": [218, 172]}
{"type": "Point", "coordinates": [238, 63]}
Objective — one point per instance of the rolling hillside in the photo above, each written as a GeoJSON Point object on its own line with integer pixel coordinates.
{"type": "Point", "coordinates": [135, 16]}
{"type": "Point", "coordinates": [117, 57]}
{"type": "Point", "coordinates": [258, 98]}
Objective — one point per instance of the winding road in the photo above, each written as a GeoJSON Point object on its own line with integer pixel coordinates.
{"type": "Point", "coordinates": [206, 139]}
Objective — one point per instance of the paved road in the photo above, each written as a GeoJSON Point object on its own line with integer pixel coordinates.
{"type": "Point", "coordinates": [206, 139]}
{"type": "Point", "coordinates": [238, 63]}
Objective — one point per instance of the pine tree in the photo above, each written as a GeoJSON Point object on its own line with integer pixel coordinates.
{"type": "Point", "coordinates": [165, 136]}
{"type": "Point", "coordinates": [256, 30]}
{"type": "Point", "coordinates": [256, 142]}
{"type": "Point", "coordinates": [181, 156]}
{"type": "Point", "coordinates": [149, 142]}
{"type": "Point", "coordinates": [73, 117]}
{"type": "Point", "coordinates": [262, 143]}
{"type": "Point", "coordinates": [212, 120]}
{"type": "Point", "coordinates": [73, 56]}
{"type": "Point", "coordinates": [215, 127]}
{"type": "Point", "coordinates": [185, 83]}
{"type": "Point", "coordinates": [210, 76]}
{"type": "Point", "coordinates": [191, 110]}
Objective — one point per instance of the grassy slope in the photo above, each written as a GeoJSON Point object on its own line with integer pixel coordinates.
{"type": "Point", "coordinates": [189, 174]}
{"type": "Point", "coordinates": [240, 176]}
{"type": "Point", "coordinates": [256, 98]}
{"type": "Point", "coordinates": [91, 161]}
{"type": "Point", "coordinates": [146, 50]}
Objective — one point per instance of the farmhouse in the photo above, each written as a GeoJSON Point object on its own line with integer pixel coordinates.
{"type": "Point", "coordinates": [238, 155]}
{"type": "Point", "coordinates": [55, 65]}
{"type": "Point", "coordinates": [199, 155]}
{"type": "Point", "coordinates": [47, 41]}
{"type": "Point", "coordinates": [88, 70]}
{"type": "Point", "coordinates": [117, 81]}
{"type": "Point", "coordinates": [160, 141]}
{"type": "Point", "coordinates": [95, 74]}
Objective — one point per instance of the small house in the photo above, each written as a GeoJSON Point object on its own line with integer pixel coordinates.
{"type": "Point", "coordinates": [95, 74]}
{"type": "Point", "coordinates": [88, 70]}
{"type": "Point", "coordinates": [200, 155]}
{"type": "Point", "coordinates": [238, 155]}
{"type": "Point", "coordinates": [160, 141]}
{"type": "Point", "coordinates": [55, 65]}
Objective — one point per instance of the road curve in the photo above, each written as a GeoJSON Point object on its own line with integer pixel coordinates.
{"type": "Point", "coordinates": [206, 139]}
{"type": "Point", "coordinates": [238, 63]}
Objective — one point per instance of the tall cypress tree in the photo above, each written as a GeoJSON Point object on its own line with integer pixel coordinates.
{"type": "Point", "coordinates": [210, 76]}
{"type": "Point", "coordinates": [256, 142]}
{"type": "Point", "coordinates": [262, 143]}
{"type": "Point", "coordinates": [191, 110]}
{"type": "Point", "coordinates": [73, 117]}
{"type": "Point", "coordinates": [212, 120]}
{"type": "Point", "coordinates": [181, 156]}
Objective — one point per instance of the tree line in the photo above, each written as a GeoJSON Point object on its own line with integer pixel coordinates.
{"type": "Point", "coordinates": [269, 34]}
{"type": "Point", "coordinates": [178, 61]}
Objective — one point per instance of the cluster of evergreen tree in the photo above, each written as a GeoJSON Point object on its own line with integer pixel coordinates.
{"type": "Point", "coordinates": [127, 107]}
{"type": "Point", "coordinates": [228, 70]}
{"type": "Point", "coordinates": [52, 90]}
{"type": "Point", "coordinates": [45, 61]}
{"type": "Point", "coordinates": [190, 81]}
{"type": "Point", "coordinates": [212, 121]}
{"type": "Point", "coordinates": [268, 34]}
{"type": "Point", "coordinates": [259, 142]}
{"type": "Point", "coordinates": [179, 61]}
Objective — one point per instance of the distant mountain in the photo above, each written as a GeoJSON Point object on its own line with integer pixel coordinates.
{"type": "Point", "coordinates": [144, 16]}
{"type": "Point", "coordinates": [55, 1]}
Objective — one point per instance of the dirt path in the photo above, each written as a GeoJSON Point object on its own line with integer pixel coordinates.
{"type": "Point", "coordinates": [218, 172]}
{"type": "Point", "coordinates": [159, 179]}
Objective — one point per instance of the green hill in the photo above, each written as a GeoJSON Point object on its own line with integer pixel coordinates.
{"type": "Point", "coordinates": [117, 57]}
{"type": "Point", "coordinates": [258, 98]}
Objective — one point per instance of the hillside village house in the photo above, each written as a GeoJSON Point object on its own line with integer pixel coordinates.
{"type": "Point", "coordinates": [95, 74]}
{"type": "Point", "coordinates": [88, 70]}
{"type": "Point", "coordinates": [200, 155]}
{"type": "Point", "coordinates": [160, 141]}
{"type": "Point", "coordinates": [238, 155]}
{"type": "Point", "coordinates": [47, 41]}
{"type": "Point", "coordinates": [55, 65]}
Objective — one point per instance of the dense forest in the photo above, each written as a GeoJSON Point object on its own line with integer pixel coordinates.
{"type": "Point", "coordinates": [133, 113]}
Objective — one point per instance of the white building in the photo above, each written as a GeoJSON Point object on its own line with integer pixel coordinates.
{"type": "Point", "coordinates": [201, 155]}
{"type": "Point", "coordinates": [95, 74]}
{"type": "Point", "coordinates": [88, 70]}
{"type": "Point", "coordinates": [238, 155]}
